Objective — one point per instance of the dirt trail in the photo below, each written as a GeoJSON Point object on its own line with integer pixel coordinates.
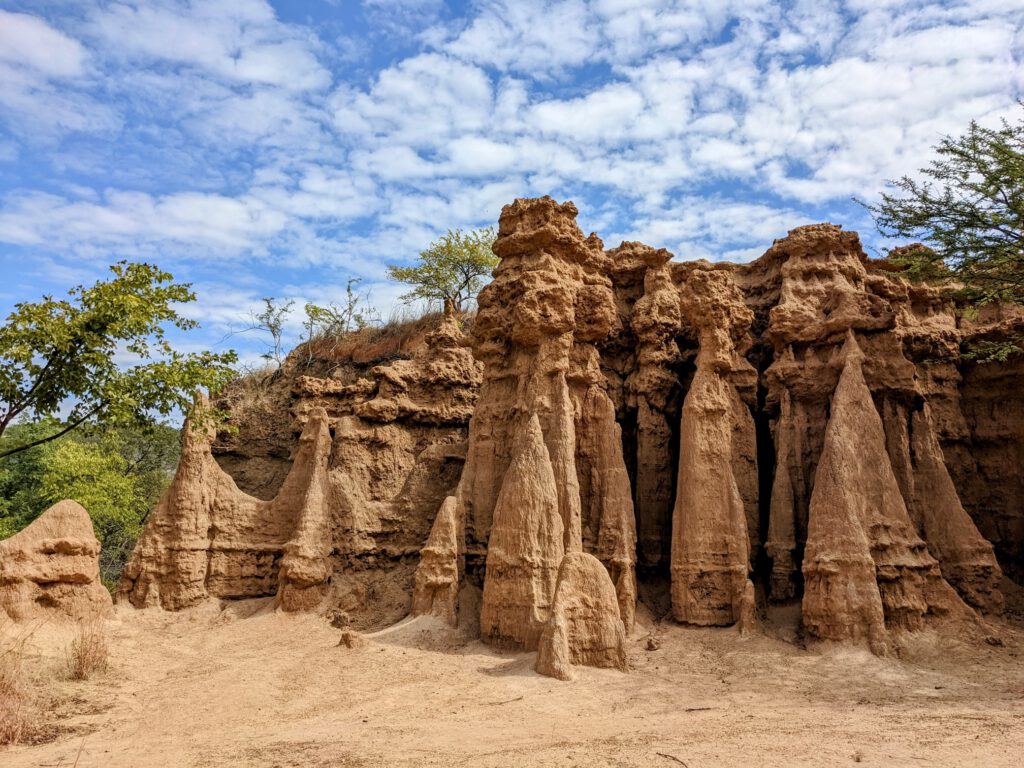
{"type": "Point", "coordinates": [247, 686]}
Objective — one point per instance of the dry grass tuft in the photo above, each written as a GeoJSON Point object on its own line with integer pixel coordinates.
{"type": "Point", "coordinates": [18, 713]}
{"type": "Point", "coordinates": [87, 654]}
{"type": "Point", "coordinates": [400, 337]}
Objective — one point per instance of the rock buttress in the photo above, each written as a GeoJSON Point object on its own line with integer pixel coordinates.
{"type": "Point", "coordinates": [865, 567]}
{"type": "Point", "coordinates": [535, 333]}
{"type": "Point", "coordinates": [305, 564]}
{"type": "Point", "coordinates": [437, 576]}
{"type": "Point", "coordinates": [711, 541]}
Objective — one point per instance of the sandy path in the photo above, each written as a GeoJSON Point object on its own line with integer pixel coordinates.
{"type": "Point", "coordinates": [211, 688]}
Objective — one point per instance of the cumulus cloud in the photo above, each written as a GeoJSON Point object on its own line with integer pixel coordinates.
{"type": "Point", "coordinates": [136, 220]}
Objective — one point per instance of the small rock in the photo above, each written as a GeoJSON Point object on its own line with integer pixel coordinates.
{"type": "Point", "coordinates": [351, 639]}
{"type": "Point", "coordinates": [653, 643]}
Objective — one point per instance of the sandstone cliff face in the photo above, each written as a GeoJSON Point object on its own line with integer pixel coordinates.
{"type": "Point", "coordinates": [802, 427]}
{"type": "Point", "coordinates": [51, 569]}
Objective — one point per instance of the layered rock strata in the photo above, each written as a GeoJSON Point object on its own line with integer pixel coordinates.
{"type": "Point", "coordinates": [50, 569]}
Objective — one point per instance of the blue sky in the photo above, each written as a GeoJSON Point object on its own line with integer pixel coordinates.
{"type": "Point", "coordinates": [278, 148]}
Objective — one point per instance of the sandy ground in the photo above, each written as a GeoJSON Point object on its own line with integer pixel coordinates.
{"type": "Point", "coordinates": [246, 686]}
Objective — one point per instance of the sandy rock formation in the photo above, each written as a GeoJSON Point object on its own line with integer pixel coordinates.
{"type": "Point", "coordinates": [305, 565]}
{"type": "Point", "coordinates": [655, 385]}
{"type": "Point", "coordinates": [51, 568]}
{"type": "Point", "coordinates": [584, 627]}
{"type": "Point", "coordinates": [437, 576]}
{"type": "Point", "coordinates": [207, 538]}
{"type": "Point", "coordinates": [536, 333]}
{"type": "Point", "coordinates": [375, 457]}
{"type": "Point", "coordinates": [526, 546]}
{"type": "Point", "coordinates": [712, 518]}
{"type": "Point", "coordinates": [865, 568]}
{"type": "Point", "coordinates": [967, 560]}
{"type": "Point", "coordinates": [802, 427]}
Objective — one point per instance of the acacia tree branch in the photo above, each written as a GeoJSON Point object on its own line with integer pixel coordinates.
{"type": "Point", "coordinates": [72, 425]}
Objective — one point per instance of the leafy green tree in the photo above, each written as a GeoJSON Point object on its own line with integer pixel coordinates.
{"type": "Point", "coordinates": [967, 209]}
{"type": "Point", "coordinates": [101, 353]}
{"type": "Point", "coordinates": [21, 474]}
{"type": "Point", "coordinates": [452, 270]}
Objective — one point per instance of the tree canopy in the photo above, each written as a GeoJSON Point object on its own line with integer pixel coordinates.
{"type": "Point", "coordinates": [101, 355]}
{"type": "Point", "coordinates": [966, 207]}
{"type": "Point", "coordinates": [453, 269]}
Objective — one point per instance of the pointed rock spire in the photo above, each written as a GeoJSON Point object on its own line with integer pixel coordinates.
{"type": "Point", "coordinates": [525, 547]}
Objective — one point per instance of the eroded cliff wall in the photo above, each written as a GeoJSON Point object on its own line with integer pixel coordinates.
{"type": "Point", "coordinates": [804, 424]}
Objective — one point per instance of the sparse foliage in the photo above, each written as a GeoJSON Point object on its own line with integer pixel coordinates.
{"type": "Point", "coordinates": [103, 353]}
{"type": "Point", "coordinates": [968, 212]}
{"type": "Point", "coordinates": [271, 321]}
{"type": "Point", "coordinates": [331, 320]}
{"type": "Point", "coordinates": [453, 269]}
{"type": "Point", "coordinates": [333, 323]}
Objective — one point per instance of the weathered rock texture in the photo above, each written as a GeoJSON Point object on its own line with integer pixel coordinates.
{"type": "Point", "coordinates": [545, 473]}
{"type": "Point", "coordinates": [583, 627]}
{"type": "Point", "coordinates": [51, 569]}
{"type": "Point", "coordinates": [716, 495]}
{"type": "Point", "coordinates": [525, 548]}
{"type": "Point", "coordinates": [378, 451]}
{"type": "Point", "coordinates": [802, 427]}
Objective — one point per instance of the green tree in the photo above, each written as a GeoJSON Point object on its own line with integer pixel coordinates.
{"type": "Point", "coordinates": [453, 269]}
{"type": "Point", "coordinates": [21, 474]}
{"type": "Point", "coordinates": [967, 209]}
{"type": "Point", "coordinates": [102, 354]}
{"type": "Point", "coordinates": [117, 474]}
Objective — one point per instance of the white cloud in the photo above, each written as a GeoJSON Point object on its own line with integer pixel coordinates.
{"type": "Point", "coordinates": [421, 101]}
{"type": "Point", "coordinates": [398, 18]}
{"type": "Point", "coordinates": [130, 221]}
{"type": "Point", "coordinates": [714, 228]}
{"type": "Point", "coordinates": [528, 36]}
{"type": "Point", "coordinates": [236, 40]}
{"type": "Point", "coordinates": [29, 41]}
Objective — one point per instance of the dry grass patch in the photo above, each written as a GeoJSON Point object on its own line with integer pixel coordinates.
{"type": "Point", "coordinates": [19, 713]}
{"type": "Point", "coordinates": [87, 654]}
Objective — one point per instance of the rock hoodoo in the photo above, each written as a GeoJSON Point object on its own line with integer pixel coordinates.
{"type": "Point", "coordinates": [52, 568]}
{"type": "Point", "coordinates": [802, 428]}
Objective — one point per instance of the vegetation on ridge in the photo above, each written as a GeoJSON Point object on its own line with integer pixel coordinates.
{"type": "Point", "coordinates": [452, 270]}
{"type": "Point", "coordinates": [968, 212]}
